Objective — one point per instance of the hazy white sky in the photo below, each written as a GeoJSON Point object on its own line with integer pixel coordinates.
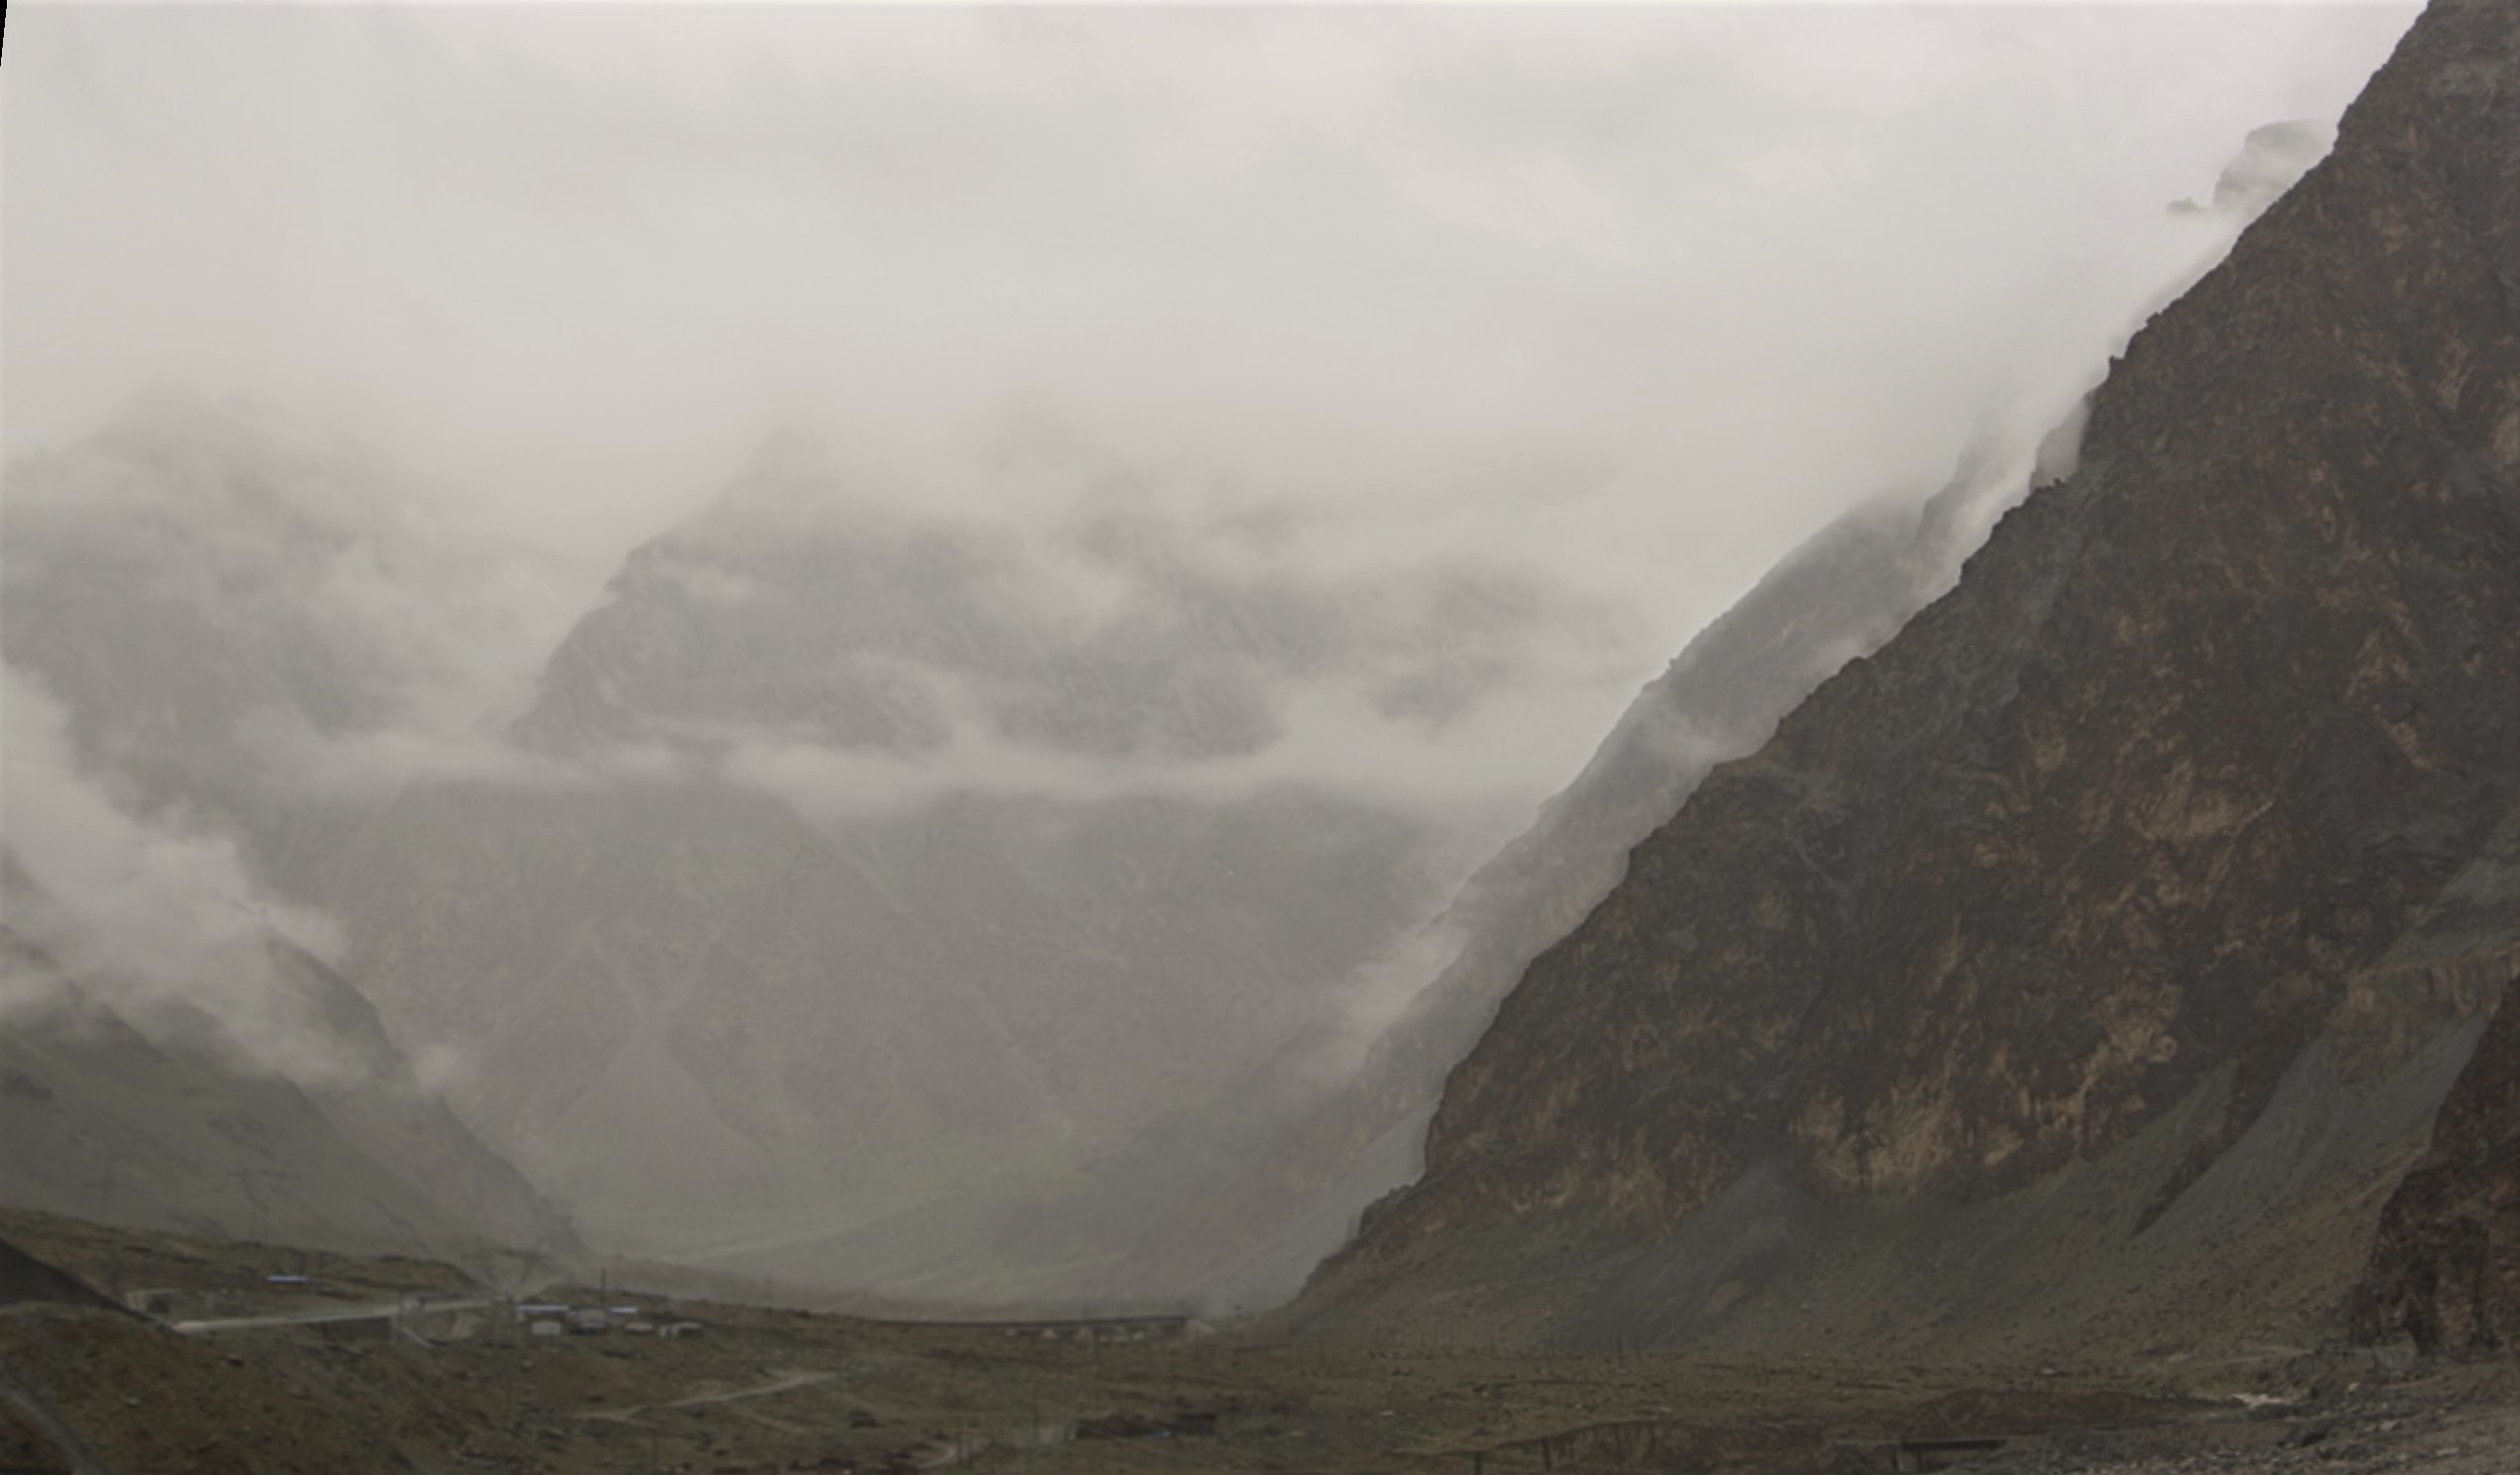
{"type": "Point", "coordinates": [1623, 299]}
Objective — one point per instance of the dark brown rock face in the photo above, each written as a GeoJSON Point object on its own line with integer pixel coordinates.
{"type": "Point", "coordinates": [2210, 757]}
{"type": "Point", "coordinates": [2446, 1265]}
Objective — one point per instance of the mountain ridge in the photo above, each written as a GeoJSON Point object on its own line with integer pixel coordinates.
{"type": "Point", "coordinates": [162, 1118]}
{"type": "Point", "coordinates": [2205, 733]}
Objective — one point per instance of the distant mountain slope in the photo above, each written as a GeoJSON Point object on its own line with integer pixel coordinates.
{"type": "Point", "coordinates": [840, 858]}
{"type": "Point", "coordinates": [25, 1279]}
{"type": "Point", "coordinates": [1285, 1187]}
{"type": "Point", "coordinates": [168, 1121]}
{"type": "Point", "coordinates": [878, 896]}
{"type": "Point", "coordinates": [870, 872]}
{"type": "Point", "coordinates": [2154, 856]}
{"type": "Point", "coordinates": [1234, 1199]}
{"type": "Point", "coordinates": [1253, 1199]}
{"type": "Point", "coordinates": [1836, 598]}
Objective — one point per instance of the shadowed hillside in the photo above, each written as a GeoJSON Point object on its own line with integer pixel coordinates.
{"type": "Point", "coordinates": [2162, 867]}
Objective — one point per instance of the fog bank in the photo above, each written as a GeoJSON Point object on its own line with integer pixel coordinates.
{"type": "Point", "coordinates": [1627, 299]}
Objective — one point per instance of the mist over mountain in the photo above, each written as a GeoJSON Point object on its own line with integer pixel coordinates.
{"type": "Point", "coordinates": [1242, 1196]}
{"type": "Point", "coordinates": [123, 1105]}
{"type": "Point", "coordinates": [888, 860]}
{"type": "Point", "coordinates": [887, 738]}
{"type": "Point", "coordinates": [927, 885]}
{"type": "Point", "coordinates": [884, 642]}
{"type": "Point", "coordinates": [2084, 968]}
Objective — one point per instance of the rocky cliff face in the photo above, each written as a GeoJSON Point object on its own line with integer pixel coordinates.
{"type": "Point", "coordinates": [2445, 1269]}
{"type": "Point", "coordinates": [1837, 597]}
{"type": "Point", "coordinates": [1261, 1196]}
{"type": "Point", "coordinates": [1296, 1176]}
{"type": "Point", "coordinates": [2188, 794]}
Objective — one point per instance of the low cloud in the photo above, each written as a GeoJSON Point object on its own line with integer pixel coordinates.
{"type": "Point", "coordinates": [2269, 162]}
{"type": "Point", "coordinates": [147, 913]}
{"type": "Point", "coordinates": [1333, 739]}
{"type": "Point", "coordinates": [374, 763]}
{"type": "Point", "coordinates": [1632, 298]}
{"type": "Point", "coordinates": [864, 661]}
{"type": "Point", "coordinates": [1357, 399]}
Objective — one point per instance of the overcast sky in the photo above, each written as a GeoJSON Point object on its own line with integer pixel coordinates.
{"type": "Point", "coordinates": [1622, 300]}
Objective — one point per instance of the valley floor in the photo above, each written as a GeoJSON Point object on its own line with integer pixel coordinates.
{"type": "Point", "coordinates": [754, 1389]}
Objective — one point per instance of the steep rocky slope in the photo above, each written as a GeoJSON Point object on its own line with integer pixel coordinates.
{"type": "Point", "coordinates": [1236, 1198]}
{"type": "Point", "coordinates": [1239, 1196]}
{"type": "Point", "coordinates": [2154, 866]}
{"type": "Point", "coordinates": [166, 1120]}
{"type": "Point", "coordinates": [867, 898]}
{"type": "Point", "coordinates": [2445, 1269]}
{"type": "Point", "coordinates": [25, 1279]}
{"type": "Point", "coordinates": [1263, 1195]}
{"type": "Point", "coordinates": [1837, 597]}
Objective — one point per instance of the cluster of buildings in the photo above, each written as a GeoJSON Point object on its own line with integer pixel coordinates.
{"type": "Point", "coordinates": [559, 1319]}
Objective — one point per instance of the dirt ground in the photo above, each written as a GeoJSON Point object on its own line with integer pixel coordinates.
{"type": "Point", "coordinates": [756, 1389]}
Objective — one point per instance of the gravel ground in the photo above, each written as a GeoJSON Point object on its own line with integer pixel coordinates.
{"type": "Point", "coordinates": [774, 1390]}
{"type": "Point", "coordinates": [2454, 1420]}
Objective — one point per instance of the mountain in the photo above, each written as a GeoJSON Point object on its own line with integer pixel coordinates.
{"type": "Point", "coordinates": [1255, 1189]}
{"type": "Point", "coordinates": [1232, 1200]}
{"type": "Point", "coordinates": [2445, 1266]}
{"type": "Point", "coordinates": [1837, 597]}
{"type": "Point", "coordinates": [843, 864]}
{"type": "Point", "coordinates": [889, 897]}
{"type": "Point", "coordinates": [839, 864]}
{"type": "Point", "coordinates": [164, 1118]}
{"type": "Point", "coordinates": [1250, 1201]}
{"type": "Point", "coordinates": [2098, 951]}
